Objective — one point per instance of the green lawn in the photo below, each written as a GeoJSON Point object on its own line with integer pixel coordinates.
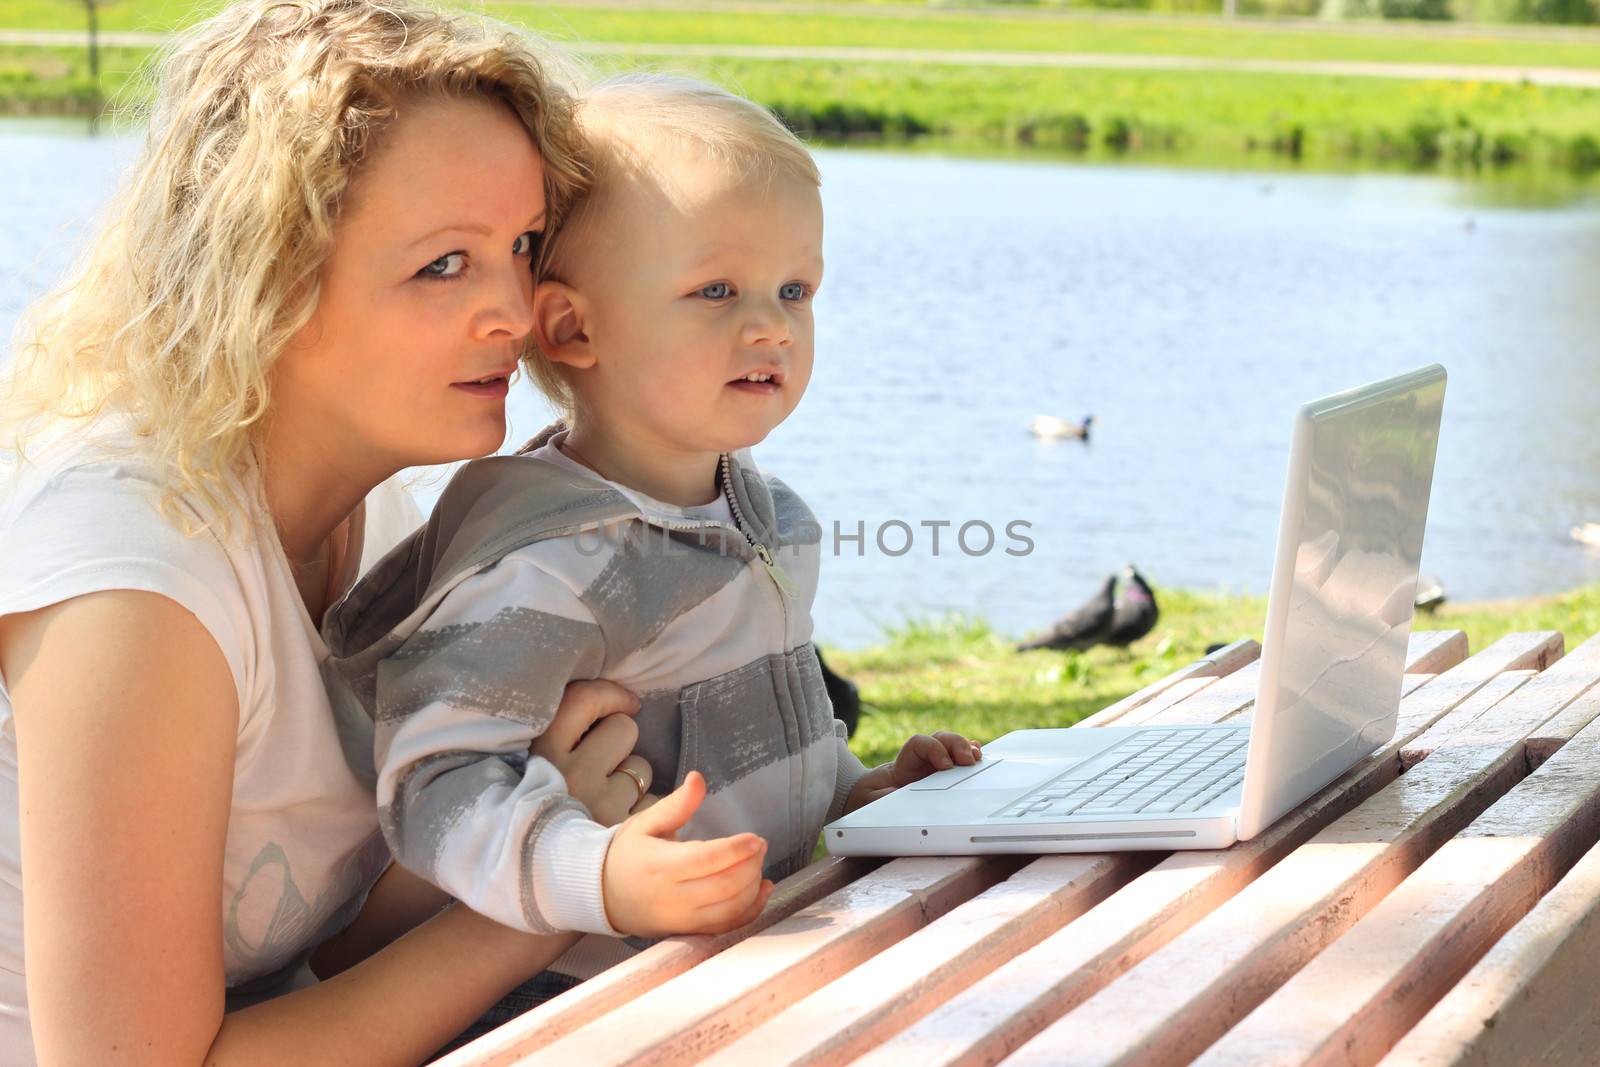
{"type": "Point", "coordinates": [958, 674]}
{"type": "Point", "coordinates": [860, 25]}
{"type": "Point", "coordinates": [1209, 117]}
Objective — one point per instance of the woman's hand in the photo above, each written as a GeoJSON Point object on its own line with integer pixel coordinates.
{"type": "Point", "coordinates": [591, 743]}
{"type": "Point", "coordinates": [919, 757]}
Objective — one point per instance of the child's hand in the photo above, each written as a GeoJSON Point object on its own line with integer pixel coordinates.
{"type": "Point", "coordinates": [919, 757]}
{"type": "Point", "coordinates": [656, 885]}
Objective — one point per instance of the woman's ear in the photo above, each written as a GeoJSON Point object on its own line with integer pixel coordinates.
{"type": "Point", "coordinates": [560, 324]}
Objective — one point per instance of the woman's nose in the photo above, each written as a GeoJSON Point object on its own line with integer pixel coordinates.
{"type": "Point", "coordinates": [507, 309]}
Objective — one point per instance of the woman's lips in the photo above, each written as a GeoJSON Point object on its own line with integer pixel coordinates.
{"type": "Point", "coordinates": [493, 389]}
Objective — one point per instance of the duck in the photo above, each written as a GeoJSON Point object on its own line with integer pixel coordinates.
{"type": "Point", "coordinates": [1431, 594]}
{"type": "Point", "coordinates": [1054, 428]}
{"type": "Point", "coordinates": [1084, 628]}
{"type": "Point", "coordinates": [1587, 533]}
{"type": "Point", "coordinates": [1136, 610]}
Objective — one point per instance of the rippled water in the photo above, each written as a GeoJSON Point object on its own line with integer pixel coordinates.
{"type": "Point", "coordinates": [1189, 311]}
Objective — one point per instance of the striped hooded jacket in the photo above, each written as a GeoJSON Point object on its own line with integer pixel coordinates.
{"type": "Point", "coordinates": [532, 572]}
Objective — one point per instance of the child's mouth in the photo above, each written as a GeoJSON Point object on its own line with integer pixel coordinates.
{"type": "Point", "coordinates": [759, 383]}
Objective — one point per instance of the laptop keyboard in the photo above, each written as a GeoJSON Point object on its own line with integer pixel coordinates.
{"type": "Point", "coordinates": [1159, 772]}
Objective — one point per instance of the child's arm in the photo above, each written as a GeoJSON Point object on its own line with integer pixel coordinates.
{"type": "Point", "coordinates": [463, 804]}
{"type": "Point", "coordinates": [919, 757]}
{"type": "Point", "coordinates": [461, 801]}
{"type": "Point", "coordinates": [850, 770]}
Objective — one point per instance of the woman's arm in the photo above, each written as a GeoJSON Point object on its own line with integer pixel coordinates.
{"type": "Point", "coordinates": [126, 716]}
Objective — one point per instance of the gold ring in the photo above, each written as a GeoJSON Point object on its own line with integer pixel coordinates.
{"type": "Point", "coordinates": [638, 780]}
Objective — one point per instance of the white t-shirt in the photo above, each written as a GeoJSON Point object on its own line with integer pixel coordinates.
{"type": "Point", "coordinates": [302, 844]}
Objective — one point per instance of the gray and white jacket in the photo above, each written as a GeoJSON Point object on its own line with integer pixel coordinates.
{"type": "Point", "coordinates": [533, 571]}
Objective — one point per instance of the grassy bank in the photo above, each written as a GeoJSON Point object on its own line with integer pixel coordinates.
{"type": "Point", "coordinates": [1299, 117]}
{"type": "Point", "coordinates": [958, 674]}
{"type": "Point", "coordinates": [992, 30]}
{"type": "Point", "coordinates": [1212, 116]}
{"type": "Point", "coordinates": [1319, 119]}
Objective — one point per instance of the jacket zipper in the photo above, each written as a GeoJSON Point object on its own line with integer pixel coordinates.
{"type": "Point", "coordinates": [741, 527]}
{"type": "Point", "coordinates": [786, 592]}
{"type": "Point", "coordinates": [779, 578]}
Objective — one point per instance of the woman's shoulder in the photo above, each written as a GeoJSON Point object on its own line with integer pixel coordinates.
{"type": "Point", "coordinates": [83, 513]}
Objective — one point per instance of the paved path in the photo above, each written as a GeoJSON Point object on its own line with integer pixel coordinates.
{"type": "Point", "coordinates": [1562, 76]}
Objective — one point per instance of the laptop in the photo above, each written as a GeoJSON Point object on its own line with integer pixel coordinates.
{"type": "Point", "coordinates": [1332, 663]}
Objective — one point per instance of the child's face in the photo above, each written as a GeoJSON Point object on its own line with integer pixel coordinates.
{"type": "Point", "coordinates": [690, 290]}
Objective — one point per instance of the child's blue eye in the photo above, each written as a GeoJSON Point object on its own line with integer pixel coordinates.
{"type": "Point", "coordinates": [794, 291]}
{"type": "Point", "coordinates": [447, 266]}
{"type": "Point", "coordinates": [717, 291]}
{"type": "Point", "coordinates": [526, 244]}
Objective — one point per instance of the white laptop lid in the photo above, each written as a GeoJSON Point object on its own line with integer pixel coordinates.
{"type": "Point", "coordinates": [1343, 587]}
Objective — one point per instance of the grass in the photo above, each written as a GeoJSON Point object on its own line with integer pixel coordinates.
{"type": "Point", "coordinates": [992, 30]}
{"type": "Point", "coordinates": [1299, 117]}
{"type": "Point", "coordinates": [1323, 120]}
{"type": "Point", "coordinates": [959, 674]}
{"type": "Point", "coordinates": [1214, 117]}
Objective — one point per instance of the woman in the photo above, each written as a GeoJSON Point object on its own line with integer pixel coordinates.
{"type": "Point", "coordinates": [317, 274]}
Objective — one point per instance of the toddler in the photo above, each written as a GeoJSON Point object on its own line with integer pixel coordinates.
{"type": "Point", "coordinates": [636, 540]}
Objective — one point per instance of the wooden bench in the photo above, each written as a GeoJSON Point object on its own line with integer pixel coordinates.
{"type": "Point", "coordinates": [1439, 904]}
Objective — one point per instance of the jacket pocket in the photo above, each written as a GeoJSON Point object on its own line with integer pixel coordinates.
{"type": "Point", "coordinates": [754, 732]}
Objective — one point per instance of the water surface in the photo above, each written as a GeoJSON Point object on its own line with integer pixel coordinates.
{"type": "Point", "coordinates": [1189, 310]}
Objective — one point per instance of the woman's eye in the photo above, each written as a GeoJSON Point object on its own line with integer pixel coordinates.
{"type": "Point", "coordinates": [717, 291]}
{"type": "Point", "coordinates": [527, 244]}
{"type": "Point", "coordinates": [794, 291]}
{"type": "Point", "coordinates": [445, 266]}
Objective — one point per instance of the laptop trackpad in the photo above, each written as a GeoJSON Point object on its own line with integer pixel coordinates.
{"type": "Point", "coordinates": [990, 774]}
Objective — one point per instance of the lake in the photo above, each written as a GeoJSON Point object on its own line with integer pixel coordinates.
{"type": "Point", "coordinates": [1188, 310]}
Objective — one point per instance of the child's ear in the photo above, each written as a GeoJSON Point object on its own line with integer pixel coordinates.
{"type": "Point", "coordinates": [560, 324]}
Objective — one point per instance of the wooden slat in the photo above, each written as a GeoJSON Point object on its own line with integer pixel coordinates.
{"type": "Point", "coordinates": [1232, 698]}
{"type": "Point", "coordinates": [1531, 998]}
{"type": "Point", "coordinates": [1234, 957]}
{"type": "Point", "coordinates": [1005, 1008]}
{"type": "Point", "coordinates": [1351, 1003]}
{"type": "Point", "coordinates": [617, 986]}
{"type": "Point", "coordinates": [691, 1016]}
{"type": "Point", "coordinates": [1223, 698]}
{"type": "Point", "coordinates": [848, 1016]}
{"type": "Point", "coordinates": [1239, 955]}
{"type": "Point", "coordinates": [1223, 661]}
{"type": "Point", "coordinates": [1157, 707]}
{"type": "Point", "coordinates": [1435, 651]}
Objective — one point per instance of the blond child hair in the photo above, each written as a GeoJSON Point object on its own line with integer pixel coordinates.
{"type": "Point", "coordinates": [638, 126]}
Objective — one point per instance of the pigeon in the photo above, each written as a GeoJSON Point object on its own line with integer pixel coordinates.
{"type": "Point", "coordinates": [1431, 594]}
{"type": "Point", "coordinates": [1051, 427]}
{"type": "Point", "coordinates": [1136, 611]}
{"type": "Point", "coordinates": [845, 696]}
{"type": "Point", "coordinates": [1084, 628]}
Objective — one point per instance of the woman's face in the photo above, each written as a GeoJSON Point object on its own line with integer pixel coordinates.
{"type": "Point", "coordinates": [426, 297]}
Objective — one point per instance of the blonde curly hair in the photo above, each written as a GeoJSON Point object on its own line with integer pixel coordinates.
{"type": "Point", "coordinates": [208, 261]}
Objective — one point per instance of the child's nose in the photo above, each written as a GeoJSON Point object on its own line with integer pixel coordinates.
{"type": "Point", "coordinates": [767, 324]}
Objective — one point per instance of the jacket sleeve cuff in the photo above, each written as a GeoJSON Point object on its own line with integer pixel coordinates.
{"type": "Point", "coordinates": [850, 771]}
{"type": "Point", "coordinates": [568, 861]}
